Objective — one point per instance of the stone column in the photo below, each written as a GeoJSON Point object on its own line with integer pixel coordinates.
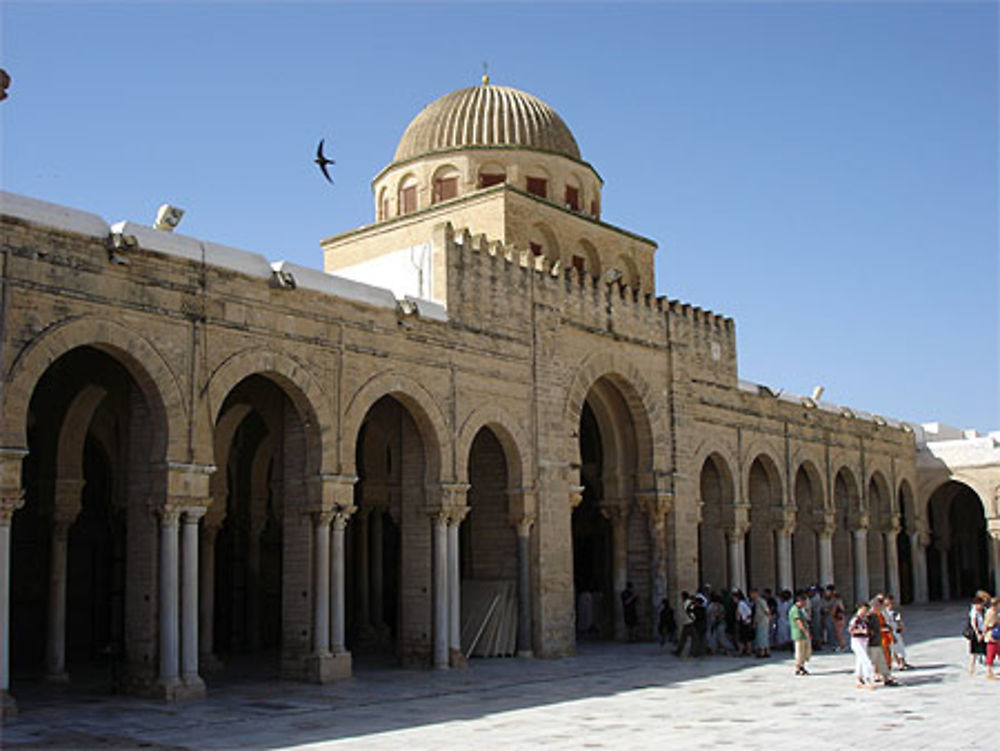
{"type": "Point", "coordinates": [439, 520]}
{"type": "Point", "coordinates": [786, 577]}
{"type": "Point", "coordinates": [892, 562]}
{"type": "Point", "coordinates": [55, 641]}
{"type": "Point", "coordinates": [206, 595]}
{"type": "Point", "coordinates": [918, 552]}
{"type": "Point", "coordinates": [253, 582]}
{"type": "Point", "coordinates": [736, 540]}
{"type": "Point", "coordinates": [377, 593]}
{"type": "Point", "coordinates": [189, 602]}
{"type": "Point", "coordinates": [169, 601]}
{"type": "Point", "coordinates": [860, 535]}
{"type": "Point", "coordinates": [11, 499]}
{"type": "Point", "coordinates": [455, 657]}
{"type": "Point", "coordinates": [945, 578]}
{"type": "Point", "coordinates": [365, 630]}
{"type": "Point", "coordinates": [616, 512]}
{"type": "Point", "coordinates": [321, 585]}
{"type": "Point", "coordinates": [825, 538]}
{"type": "Point", "coordinates": [523, 526]}
{"type": "Point", "coordinates": [338, 643]}
{"type": "Point", "coordinates": [657, 506]}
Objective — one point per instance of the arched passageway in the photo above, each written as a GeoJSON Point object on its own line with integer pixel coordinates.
{"type": "Point", "coordinates": [907, 532]}
{"type": "Point", "coordinates": [94, 436]}
{"type": "Point", "coordinates": [389, 546]}
{"type": "Point", "coordinates": [881, 576]}
{"type": "Point", "coordinates": [958, 556]}
{"type": "Point", "coordinates": [764, 491]}
{"type": "Point", "coordinates": [716, 487]}
{"type": "Point", "coordinates": [810, 522]}
{"type": "Point", "coordinates": [611, 539]}
{"type": "Point", "coordinates": [489, 555]}
{"type": "Point", "coordinates": [846, 509]}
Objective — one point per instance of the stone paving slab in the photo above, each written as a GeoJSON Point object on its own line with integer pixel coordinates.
{"type": "Point", "coordinates": [609, 696]}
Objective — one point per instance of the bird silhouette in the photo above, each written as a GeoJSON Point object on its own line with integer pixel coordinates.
{"type": "Point", "coordinates": [322, 161]}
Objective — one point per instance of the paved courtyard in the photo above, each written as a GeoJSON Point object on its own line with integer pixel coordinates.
{"type": "Point", "coordinates": [610, 696]}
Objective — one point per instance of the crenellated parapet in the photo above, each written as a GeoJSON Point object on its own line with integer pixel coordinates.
{"type": "Point", "coordinates": [488, 280]}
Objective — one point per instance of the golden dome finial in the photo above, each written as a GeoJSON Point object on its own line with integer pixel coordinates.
{"type": "Point", "coordinates": [486, 75]}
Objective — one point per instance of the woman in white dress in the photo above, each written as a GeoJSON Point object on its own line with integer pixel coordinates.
{"type": "Point", "coordinates": [864, 670]}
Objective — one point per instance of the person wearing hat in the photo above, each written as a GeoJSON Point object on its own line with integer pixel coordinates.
{"type": "Point", "coordinates": [801, 636]}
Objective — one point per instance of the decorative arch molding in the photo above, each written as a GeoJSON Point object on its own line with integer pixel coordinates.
{"type": "Point", "coordinates": [719, 446]}
{"type": "Point", "coordinates": [508, 432]}
{"type": "Point", "coordinates": [766, 450]}
{"type": "Point", "coordinates": [820, 501]}
{"type": "Point", "coordinates": [880, 518]}
{"type": "Point", "coordinates": [290, 375]}
{"type": "Point", "coordinates": [634, 389]}
{"type": "Point", "coordinates": [421, 406]}
{"type": "Point", "coordinates": [855, 502]}
{"type": "Point", "coordinates": [982, 490]}
{"type": "Point", "coordinates": [139, 356]}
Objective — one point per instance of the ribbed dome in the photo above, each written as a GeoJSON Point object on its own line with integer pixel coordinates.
{"type": "Point", "coordinates": [486, 115]}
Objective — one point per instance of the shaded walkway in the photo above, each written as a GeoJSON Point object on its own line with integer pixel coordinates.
{"type": "Point", "coordinates": [608, 695]}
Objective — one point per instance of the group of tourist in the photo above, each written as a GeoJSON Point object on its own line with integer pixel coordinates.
{"type": "Point", "coordinates": [983, 632]}
{"type": "Point", "coordinates": [754, 623]}
{"type": "Point", "coordinates": [812, 619]}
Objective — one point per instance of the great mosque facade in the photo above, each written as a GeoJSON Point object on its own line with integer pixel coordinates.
{"type": "Point", "coordinates": [205, 454]}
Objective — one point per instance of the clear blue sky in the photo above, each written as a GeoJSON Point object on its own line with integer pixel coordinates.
{"type": "Point", "coordinates": [826, 174]}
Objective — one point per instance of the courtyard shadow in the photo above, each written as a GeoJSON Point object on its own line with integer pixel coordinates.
{"type": "Point", "coordinates": [245, 709]}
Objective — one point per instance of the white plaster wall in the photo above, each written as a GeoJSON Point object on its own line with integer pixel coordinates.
{"type": "Point", "coordinates": [406, 272]}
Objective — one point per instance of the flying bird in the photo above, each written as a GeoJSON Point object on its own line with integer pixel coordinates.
{"type": "Point", "coordinates": [322, 161]}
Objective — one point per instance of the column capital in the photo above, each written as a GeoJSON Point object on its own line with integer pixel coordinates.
{"type": "Point", "coordinates": [827, 524]}
{"type": "Point", "coordinates": [615, 511]}
{"type": "Point", "coordinates": [328, 492]}
{"type": "Point", "coordinates": [457, 513]}
{"type": "Point", "coordinates": [193, 514]}
{"type": "Point", "coordinates": [11, 492]}
{"type": "Point", "coordinates": [787, 518]}
{"type": "Point", "coordinates": [340, 516]}
{"type": "Point", "coordinates": [736, 530]}
{"type": "Point", "coordinates": [439, 515]}
{"type": "Point", "coordinates": [656, 504]}
{"type": "Point", "coordinates": [575, 496]}
{"type": "Point", "coordinates": [522, 523]}
{"type": "Point", "coordinates": [993, 527]}
{"type": "Point", "coordinates": [861, 523]}
{"type": "Point", "coordinates": [169, 513]}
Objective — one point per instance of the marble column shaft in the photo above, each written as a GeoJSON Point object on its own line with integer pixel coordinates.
{"type": "Point", "coordinates": [892, 563]}
{"type": "Point", "coordinates": [826, 572]}
{"type": "Point", "coordinates": [206, 593]}
{"type": "Point", "coordinates": [524, 640]}
{"type": "Point", "coordinates": [454, 584]}
{"type": "Point", "coordinates": [169, 598]}
{"type": "Point", "coordinates": [189, 597]}
{"type": "Point", "coordinates": [377, 615]}
{"type": "Point", "coordinates": [440, 588]}
{"type": "Point", "coordinates": [861, 589]}
{"type": "Point", "coordinates": [55, 642]}
{"type": "Point", "coordinates": [8, 505]}
{"type": "Point", "coordinates": [321, 575]}
{"type": "Point", "coordinates": [785, 577]}
{"type": "Point", "coordinates": [337, 563]}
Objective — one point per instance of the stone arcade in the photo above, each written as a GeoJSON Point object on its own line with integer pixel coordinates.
{"type": "Point", "coordinates": [206, 455]}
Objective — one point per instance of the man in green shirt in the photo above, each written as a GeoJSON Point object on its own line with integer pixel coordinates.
{"type": "Point", "coordinates": [800, 633]}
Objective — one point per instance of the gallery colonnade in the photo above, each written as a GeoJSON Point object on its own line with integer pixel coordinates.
{"type": "Point", "coordinates": [168, 545]}
{"type": "Point", "coordinates": [760, 530]}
